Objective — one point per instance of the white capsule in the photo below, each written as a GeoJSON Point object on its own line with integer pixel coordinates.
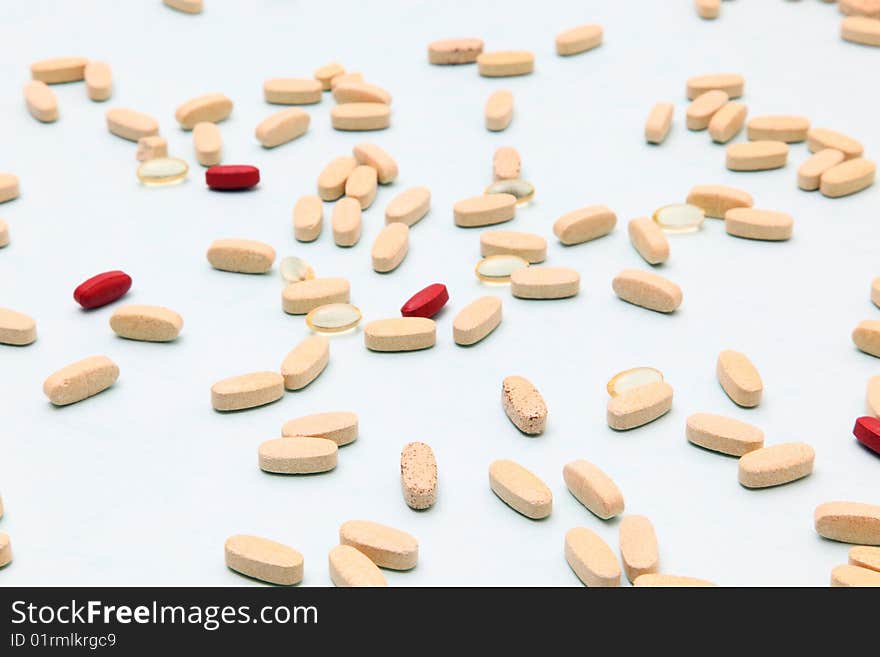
{"type": "Point", "coordinates": [333, 318]}
{"type": "Point", "coordinates": [522, 190]}
{"type": "Point", "coordinates": [633, 378]}
{"type": "Point", "coordinates": [499, 268]}
{"type": "Point", "coordinates": [295, 270]}
{"type": "Point", "coordinates": [680, 218]}
{"type": "Point", "coordinates": [162, 171]}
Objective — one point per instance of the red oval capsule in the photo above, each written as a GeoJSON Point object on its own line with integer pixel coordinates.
{"type": "Point", "coordinates": [232, 176]}
{"type": "Point", "coordinates": [102, 289]}
{"type": "Point", "coordinates": [867, 432]}
{"type": "Point", "coordinates": [427, 302]}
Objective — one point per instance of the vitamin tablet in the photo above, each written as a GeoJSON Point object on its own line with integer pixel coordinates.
{"type": "Point", "coordinates": [521, 490]}
{"type": "Point", "coordinates": [593, 488]}
{"type": "Point", "coordinates": [648, 239]}
{"type": "Point", "coordinates": [16, 328]}
{"type": "Point", "coordinates": [522, 190]}
{"type": "Point", "coordinates": [632, 378]}
{"type": "Point", "coordinates": [331, 181]}
{"type": "Point", "coordinates": [418, 475]}
{"type": "Point", "coordinates": [400, 334]}
{"type": "Point", "coordinates": [5, 550]}
{"type": "Point", "coordinates": [378, 158]}
{"type": "Point", "coordinates": [101, 289]}
{"type": "Point", "coordinates": [151, 148]}
{"type": "Point", "coordinates": [821, 138]}
{"type": "Point", "coordinates": [300, 298]}
{"type": "Point", "coordinates": [333, 318]}
{"type": "Point", "coordinates": [739, 378]}
{"type": "Point", "coordinates": [873, 397]}
{"type": "Point", "coordinates": [866, 429]}
{"type": "Point", "coordinates": [162, 171]}
{"type": "Point", "coordinates": [241, 256]}
{"type": "Point", "coordinates": [390, 247]}
{"type": "Point", "coordinates": [41, 101]}
{"type": "Point", "coordinates": [545, 283]}
{"type": "Point", "coordinates": [848, 522]}
{"type": "Point", "coordinates": [524, 405]}
{"type": "Point", "coordinates": [262, 559]}
{"type": "Point", "coordinates": [211, 108]}
{"type": "Point", "coordinates": [208, 143]}
{"type": "Point", "coordinates": [308, 218]}
{"type": "Point", "coordinates": [499, 110]}
{"type": "Point", "coordinates": [584, 224]}
{"type": "Point", "coordinates": [578, 39]}
{"type": "Point", "coordinates": [426, 302]}
{"type": "Point", "coordinates": [326, 73]}
{"type": "Point", "coordinates": [339, 426]}
{"type": "Point", "coordinates": [282, 127]}
{"type": "Point", "coordinates": [757, 155]}
{"type": "Point", "coordinates": [4, 234]}
{"type": "Point", "coordinates": [527, 246]}
{"type": "Point", "coordinates": [870, 8]}
{"type": "Point", "coordinates": [866, 336]}
{"type": "Point", "coordinates": [232, 176]}
{"type": "Point", "coordinates": [658, 123]}
{"type": "Point", "coordinates": [360, 92]}
{"type": "Point", "coordinates": [409, 207]}
{"type": "Point", "coordinates": [875, 291]}
{"type": "Point", "coordinates": [861, 29]}
{"type": "Point", "coordinates": [294, 270]}
{"type": "Point", "coordinates": [80, 380]}
{"type": "Point", "coordinates": [292, 91]}
{"type": "Point", "coordinates": [716, 200]}
{"type": "Point", "coordinates": [810, 172]}
{"type": "Point", "coordinates": [305, 362]}
{"type": "Point", "coordinates": [648, 290]}
{"type": "Point", "coordinates": [727, 122]}
{"type": "Point", "coordinates": [758, 224]}
{"type": "Point", "coordinates": [703, 108]}
{"type": "Point", "coordinates": [131, 125]}
{"type": "Point", "coordinates": [679, 218]}
{"type": "Point", "coordinates": [385, 546]}
{"type": "Point", "coordinates": [186, 6]}
{"type": "Point", "coordinates": [661, 580]}
{"type": "Point", "coordinates": [346, 221]}
{"type": "Point", "coordinates": [776, 465]}
{"type": "Point", "coordinates": [639, 406]}
{"type": "Point", "coordinates": [730, 83]}
{"type": "Point", "coordinates": [8, 187]}
{"type": "Point", "coordinates": [848, 177]}
{"type": "Point", "coordinates": [360, 116]}
{"type": "Point", "coordinates": [779, 127]}
{"type": "Point", "coordinates": [849, 575]}
{"type": "Point", "coordinates": [505, 63]}
{"type": "Point", "coordinates": [476, 320]}
{"type": "Point", "coordinates": [297, 455]}
{"type": "Point", "coordinates": [350, 567]}
{"type": "Point", "coordinates": [638, 547]}
{"type": "Point", "coordinates": [506, 163]}
{"type": "Point", "coordinates": [591, 558]}
{"type": "Point", "coordinates": [59, 70]}
{"type": "Point", "coordinates": [708, 9]}
{"type": "Point", "coordinates": [247, 391]}
{"type": "Point", "coordinates": [345, 77]}
{"type": "Point", "coordinates": [454, 51]}
{"type": "Point", "coordinates": [361, 185]}
{"type": "Point", "coordinates": [484, 210]}
{"type": "Point", "coordinates": [865, 556]}
{"type": "Point", "coordinates": [723, 434]}
{"type": "Point", "coordinates": [146, 323]}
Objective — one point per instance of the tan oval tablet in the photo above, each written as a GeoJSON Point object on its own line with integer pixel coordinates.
{"type": "Point", "coordinates": [866, 336]}
{"type": "Point", "coordinates": [649, 240]}
{"type": "Point", "coordinates": [870, 8]}
{"type": "Point", "coordinates": [247, 391]}
{"type": "Point", "coordinates": [208, 143]}
{"type": "Point", "coordinates": [385, 546]}
{"type": "Point", "coordinates": [593, 488]}
{"type": "Point", "coordinates": [821, 138]}
{"type": "Point", "coordinates": [848, 177]}
{"type": "Point", "coordinates": [849, 522]}
{"type": "Point", "coordinates": [360, 92]}
{"type": "Point", "coordinates": [545, 283]}
{"type": "Point", "coordinates": [99, 80]}
{"type": "Point", "coordinates": [521, 490]}
{"type": "Point", "coordinates": [346, 77]}
{"type": "Point", "coordinates": [8, 187]}
{"type": "Point", "coordinates": [378, 158]}
{"type": "Point", "coordinates": [5, 550]}
{"type": "Point", "coordinates": [326, 73]}
{"type": "Point", "coordinates": [591, 559]}
{"type": "Point", "coordinates": [527, 246]}
{"type": "Point", "coordinates": [779, 127]}
{"type": "Point", "coordinates": [346, 221]}
{"type": "Point", "coordinates": [708, 9]}
{"type": "Point", "coordinates": [4, 234]}
{"type": "Point", "coordinates": [505, 63]}
{"type": "Point", "coordinates": [331, 181]}
{"type": "Point", "coordinates": [524, 405]}
{"type": "Point", "coordinates": [305, 362]}
{"type": "Point", "coordinates": [418, 475]}
{"type": "Point", "coordinates": [400, 334]}
{"type": "Point", "coordinates": [757, 155]}
{"type": "Point", "coordinates": [476, 320]}
{"type": "Point", "coordinates": [390, 247]}
{"type": "Point", "coordinates": [723, 434]}
{"type": "Point", "coordinates": [360, 116]}
{"type": "Point", "coordinates": [730, 83]}
{"type": "Point", "coordinates": [131, 125]}
{"type": "Point", "coordinates": [292, 91]}
{"type": "Point", "coordinates": [847, 574]}
{"type": "Point", "coordinates": [584, 224]}
{"type": "Point", "coordinates": [59, 69]}
{"type": "Point", "coordinates": [727, 122]}
{"type": "Point", "coordinates": [454, 51]}
{"type": "Point", "coordinates": [299, 298]}
{"type": "Point", "coordinates": [716, 200]}
{"type": "Point", "coordinates": [263, 559]}
{"type": "Point", "coordinates": [211, 108]}
{"type": "Point", "coordinates": [16, 328]}
{"type": "Point", "coordinates": [579, 39]}
{"type": "Point", "coordinates": [147, 323]}
{"type": "Point", "coordinates": [308, 218]}
{"type": "Point", "coordinates": [861, 29]}
{"type": "Point", "coordinates": [638, 547]}
{"type": "Point", "coordinates": [241, 256]}
{"type": "Point", "coordinates": [186, 6]}
{"type": "Point", "coordinates": [409, 206]}
{"type": "Point", "coordinates": [41, 101]}
{"type": "Point", "coordinates": [297, 455]}
{"type": "Point", "coordinates": [638, 406]}
{"type": "Point", "coordinates": [865, 556]}
{"type": "Point", "coordinates": [80, 380]}
{"type": "Point", "coordinates": [810, 172]}
{"type": "Point", "coordinates": [484, 210]}
{"type": "Point", "coordinates": [666, 581]}
{"type": "Point", "coordinates": [350, 567]}
{"type": "Point", "coordinates": [759, 224]}
{"type": "Point", "coordinates": [648, 290]}
{"type": "Point", "coordinates": [339, 426]}
{"type": "Point", "coordinates": [151, 148]}
{"type": "Point", "coordinates": [361, 184]}
{"type": "Point", "coordinates": [499, 110]}
{"type": "Point", "coordinates": [282, 127]}
{"type": "Point", "coordinates": [776, 465]}
{"type": "Point", "coordinates": [506, 163]}
{"type": "Point", "coordinates": [703, 108]}
{"type": "Point", "coordinates": [658, 123]}
{"type": "Point", "coordinates": [739, 378]}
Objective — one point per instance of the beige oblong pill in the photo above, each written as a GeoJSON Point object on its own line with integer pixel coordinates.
{"type": "Point", "coordinates": [499, 110]}
{"type": "Point", "coordinates": [385, 546]}
{"type": "Point", "coordinates": [308, 218]}
{"type": "Point", "coordinates": [730, 83]}
{"type": "Point", "coordinates": [506, 163]}
{"type": "Point", "coordinates": [8, 187]}
{"type": "Point", "coordinates": [208, 143]}
{"type": "Point", "coordinates": [346, 221]}
{"type": "Point", "coordinates": [361, 184]}
{"type": "Point", "coordinates": [131, 125]}
{"type": "Point", "coordinates": [865, 556]}
{"type": "Point", "coordinates": [757, 155]}
{"type": "Point", "coordinates": [146, 323]}
{"type": "Point", "coordinates": [638, 547]}
{"type": "Point", "coordinates": [716, 200]}
{"type": "Point", "coordinates": [454, 51]}
{"type": "Point", "coordinates": [409, 206]}
{"type": "Point", "coordinates": [593, 488]}
{"type": "Point", "coordinates": [723, 434]}
{"type": "Point", "coordinates": [305, 362]}
{"type": "Point", "coordinates": [350, 567]}
{"type": "Point", "coordinates": [418, 475]}
{"type": "Point", "coordinates": [360, 116]}
{"type": "Point", "coordinates": [282, 127]}
{"type": "Point", "coordinates": [400, 334]}
{"type": "Point", "coordinates": [872, 397]}
{"type": "Point", "coordinates": [292, 91]}
{"type": "Point", "coordinates": [527, 246]}
{"type": "Point", "coordinates": [703, 108]}
{"type": "Point", "coordinates": [476, 320]}
{"type": "Point", "coordinates": [649, 240]}
{"type": "Point", "coordinates": [849, 522]}
{"type": "Point", "coordinates": [59, 69]}
{"type": "Point", "coordinates": [339, 426]}
{"type": "Point", "coordinates": [297, 455]}
{"type": "Point", "coordinates": [848, 177]}
{"type": "Point", "coordinates": [866, 336]}
{"type": "Point", "coordinates": [211, 108]}
{"type": "Point", "coordinates": [80, 380]}
{"type": "Point", "coordinates": [331, 181]}
{"type": "Point", "coordinates": [360, 92]}
{"type": "Point", "coordinates": [484, 210]}
{"type": "Point", "coordinates": [241, 256]}
{"type": "Point", "coordinates": [776, 465]}
{"type": "Point", "coordinates": [658, 123]}
{"type": "Point", "coordinates": [810, 172]}
{"type": "Point", "coordinates": [869, 8]}
{"type": "Point", "coordinates": [186, 6]}
{"type": "Point", "coordinates": [299, 298]}
{"type": "Point", "coordinates": [545, 283]}
{"type": "Point", "coordinates": [847, 574]}
{"type": "Point", "coordinates": [151, 148]}
{"type": "Point", "coordinates": [521, 490]}
{"type": "Point", "coordinates": [638, 406]}
{"type": "Point", "coordinates": [739, 378]}
{"type": "Point", "coordinates": [16, 328]}
{"type": "Point", "coordinates": [590, 557]}
{"type": "Point", "coordinates": [578, 39]}
{"type": "Point", "coordinates": [390, 247]}
{"type": "Point", "coordinates": [99, 81]}
{"type": "Point", "coordinates": [648, 290]}
{"type": "Point", "coordinates": [41, 101]}
{"type": "Point", "coordinates": [821, 138]}
{"type": "Point", "coordinates": [264, 559]}
{"type": "Point", "coordinates": [5, 550]}
{"type": "Point", "coordinates": [524, 405]}
{"type": "Point", "coordinates": [759, 224]}
{"type": "Point", "coordinates": [727, 122]}
{"type": "Point", "coordinates": [665, 581]}
{"type": "Point", "coordinates": [378, 158]}
{"type": "Point", "coordinates": [326, 73]}
{"type": "Point", "coordinates": [584, 224]}
{"type": "Point", "coordinates": [505, 63]}
{"type": "Point", "coordinates": [861, 29]}
{"type": "Point", "coordinates": [4, 234]}
{"type": "Point", "coordinates": [247, 391]}
{"type": "Point", "coordinates": [708, 9]}
{"type": "Point", "coordinates": [779, 127]}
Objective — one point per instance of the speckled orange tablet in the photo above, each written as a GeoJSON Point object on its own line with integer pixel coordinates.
{"type": "Point", "coordinates": [648, 290]}
{"type": "Point", "coordinates": [16, 328]}
{"type": "Point", "coordinates": [484, 210]}
{"type": "Point", "coordinates": [865, 556]}
{"type": "Point", "coordinates": [390, 247]}
{"type": "Point", "coordinates": [297, 455]}
{"type": "Point", "coordinates": [739, 378]}
{"type": "Point", "coordinates": [723, 434]}
{"type": "Point", "coordinates": [308, 218]}
{"type": "Point", "coordinates": [264, 559]}
{"type": "Point", "coordinates": [80, 380]}
{"type": "Point", "coordinates": [241, 256]}
{"type": "Point", "coordinates": [476, 320]}
{"type": "Point", "coordinates": [849, 575]}
{"type": "Point", "coordinates": [347, 221]}
{"type": "Point", "coordinates": [360, 116]}
{"type": "Point", "coordinates": [638, 547]}
{"type": "Point", "coordinates": [821, 138]}
{"type": "Point", "coordinates": [305, 362]}
{"type": "Point", "coordinates": [849, 522]}
{"type": "Point", "coordinates": [499, 110]}
{"type": "Point", "coordinates": [454, 51]}
{"type": "Point", "coordinates": [146, 323]}
{"type": "Point", "coordinates": [247, 391]}
{"type": "Point", "coordinates": [545, 282]}
{"type": "Point", "coordinates": [524, 405]}
{"type": "Point", "coordinates": [59, 70]}
{"type": "Point", "coordinates": [520, 489]}
{"type": "Point", "coordinates": [593, 488]}
{"type": "Point", "coordinates": [810, 172]}
{"type": "Point", "coordinates": [730, 83]}
{"type": "Point", "coordinates": [661, 580]}
{"type": "Point", "coordinates": [400, 334]}
{"type": "Point", "coordinates": [350, 567]}
{"type": "Point", "coordinates": [591, 559]}
{"type": "Point", "coordinates": [757, 155]}
{"type": "Point", "coordinates": [299, 298]}
{"type": "Point", "coordinates": [409, 207]}
{"type": "Point", "coordinates": [776, 465]}
{"type": "Point", "coordinates": [378, 158]}
{"type": "Point", "coordinates": [385, 546]}
{"type": "Point", "coordinates": [579, 39]}
{"type": "Point", "coordinates": [703, 108]}
{"type": "Point", "coordinates": [649, 240]}
{"type": "Point", "coordinates": [211, 108]}
{"type": "Point", "coordinates": [779, 127]}
{"type": "Point", "coordinates": [754, 224]}
{"type": "Point", "coordinates": [848, 177]}
{"type": "Point", "coordinates": [339, 426]}
{"type": "Point", "coordinates": [527, 246]}
{"type": "Point", "coordinates": [418, 475]}
{"type": "Point", "coordinates": [639, 406]}
{"type": "Point", "coordinates": [505, 63]}
{"type": "Point", "coordinates": [716, 200]}
{"type": "Point", "coordinates": [726, 123]}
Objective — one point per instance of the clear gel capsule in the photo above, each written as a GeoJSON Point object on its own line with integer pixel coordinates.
{"type": "Point", "coordinates": [629, 379]}
{"type": "Point", "coordinates": [162, 171]}
{"type": "Point", "coordinates": [499, 268]}
{"type": "Point", "coordinates": [523, 190]}
{"type": "Point", "coordinates": [333, 318]}
{"type": "Point", "coordinates": [680, 218]}
{"type": "Point", "coordinates": [295, 270]}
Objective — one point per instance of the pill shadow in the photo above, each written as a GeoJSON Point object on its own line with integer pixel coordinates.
{"type": "Point", "coordinates": [250, 408]}
{"type": "Point", "coordinates": [262, 581]}
{"type": "Point", "coordinates": [298, 475]}
{"type": "Point", "coordinates": [61, 407]}
{"type": "Point", "coordinates": [247, 190]}
{"type": "Point", "coordinates": [712, 451]}
{"type": "Point", "coordinates": [785, 483]}
{"type": "Point", "coordinates": [867, 449]}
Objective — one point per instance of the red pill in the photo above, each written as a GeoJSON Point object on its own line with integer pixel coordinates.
{"type": "Point", "coordinates": [867, 432]}
{"type": "Point", "coordinates": [427, 302]}
{"type": "Point", "coordinates": [102, 289]}
{"type": "Point", "coordinates": [232, 176]}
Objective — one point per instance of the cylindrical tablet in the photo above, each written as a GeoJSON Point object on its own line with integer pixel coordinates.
{"type": "Point", "coordinates": [241, 256]}
{"type": "Point", "coordinates": [210, 108]}
{"type": "Point", "coordinates": [723, 434]}
{"type": "Point", "coordinates": [400, 334]}
{"type": "Point", "coordinates": [59, 69]}
{"type": "Point", "coordinates": [730, 83]}
{"type": "Point", "coordinates": [757, 155]}
{"type": "Point", "coordinates": [638, 547]}
{"type": "Point", "coordinates": [639, 406]}
{"type": "Point", "coordinates": [131, 125]}
{"type": "Point", "coordinates": [779, 127]}
{"type": "Point", "coordinates": [297, 455]}
{"type": "Point", "coordinates": [648, 290]}
{"type": "Point", "coordinates": [418, 475]}
{"type": "Point", "coordinates": [545, 283]}
{"type": "Point", "coordinates": [528, 246]}
{"type": "Point", "coordinates": [282, 127]}
{"type": "Point", "coordinates": [247, 391]}
{"type": "Point", "coordinates": [80, 380]}
{"type": "Point", "coordinates": [454, 51]}
{"type": "Point", "coordinates": [385, 546]}
{"type": "Point", "coordinates": [264, 559]}
{"type": "Point", "coordinates": [292, 91]}
{"type": "Point", "coordinates": [758, 224]}
{"type": "Point", "coordinates": [521, 490]}
{"type": "Point", "coordinates": [146, 323]}
{"type": "Point", "coordinates": [339, 426]}
{"type": "Point", "coordinates": [776, 465]}
{"type": "Point", "coordinates": [585, 224]}
{"type": "Point", "coordinates": [739, 378]}
{"type": "Point", "coordinates": [578, 39]}
{"type": "Point", "coordinates": [593, 488]}
{"type": "Point", "coordinates": [591, 559]}
{"type": "Point", "coordinates": [505, 63]}
{"type": "Point", "coordinates": [360, 116]}
{"type": "Point", "coordinates": [305, 362]}
{"type": "Point", "coordinates": [484, 210]}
